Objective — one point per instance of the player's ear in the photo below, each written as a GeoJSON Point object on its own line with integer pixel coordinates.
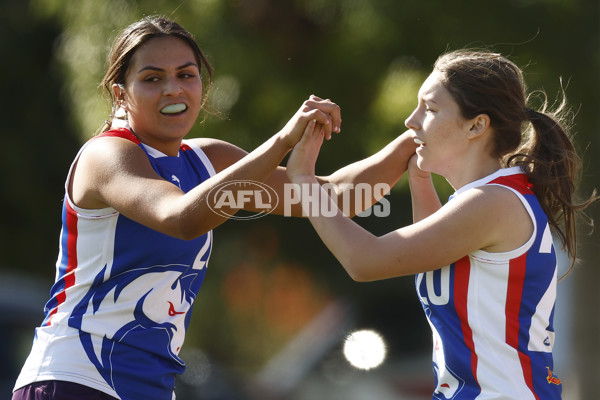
{"type": "Point", "coordinates": [119, 93]}
{"type": "Point", "coordinates": [477, 126]}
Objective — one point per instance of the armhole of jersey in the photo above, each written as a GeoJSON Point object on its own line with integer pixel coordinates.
{"type": "Point", "coordinates": [519, 250]}
{"type": "Point", "coordinates": [83, 212]}
{"type": "Point", "coordinates": [202, 156]}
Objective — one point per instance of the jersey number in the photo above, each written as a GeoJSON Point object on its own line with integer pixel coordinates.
{"type": "Point", "coordinates": [438, 297]}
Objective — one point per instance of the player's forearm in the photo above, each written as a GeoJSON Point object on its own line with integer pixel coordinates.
{"type": "Point", "coordinates": [385, 166]}
{"type": "Point", "coordinates": [381, 170]}
{"type": "Point", "coordinates": [424, 198]}
{"type": "Point", "coordinates": [348, 242]}
{"type": "Point", "coordinates": [194, 213]}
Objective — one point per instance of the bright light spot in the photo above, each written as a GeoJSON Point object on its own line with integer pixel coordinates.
{"type": "Point", "coordinates": [364, 349]}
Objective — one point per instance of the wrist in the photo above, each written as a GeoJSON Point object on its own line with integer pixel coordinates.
{"type": "Point", "coordinates": [417, 181]}
{"type": "Point", "coordinates": [281, 143]}
{"type": "Point", "coordinates": [419, 175]}
{"type": "Point", "coordinates": [416, 173]}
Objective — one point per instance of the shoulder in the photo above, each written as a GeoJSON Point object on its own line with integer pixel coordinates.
{"type": "Point", "coordinates": [486, 203]}
{"type": "Point", "coordinates": [103, 160]}
{"type": "Point", "coordinates": [500, 210]}
{"type": "Point", "coordinates": [221, 154]}
{"type": "Point", "coordinates": [106, 152]}
{"type": "Point", "coordinates": [491, 195]}
{"type": "Point", "coordinates": [479, 204]}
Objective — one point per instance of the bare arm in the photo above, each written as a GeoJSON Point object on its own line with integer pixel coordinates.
{"type": "Point", "coordinates": [381, 170]}
{"type": "Point", "coordinates": [114, 172]}
{"type": "Point", "coordinates": [488, 218]}
{"type": "Point", "coordinates": [384, 169]}
{"type": "Point", "coordinates": [425, 200]}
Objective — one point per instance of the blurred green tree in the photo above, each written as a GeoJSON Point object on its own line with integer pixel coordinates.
{"type": "Point", "coordinates": [38, 140]}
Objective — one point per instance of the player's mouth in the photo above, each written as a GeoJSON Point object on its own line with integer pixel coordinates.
{"type": "Point", "coordinates": [419, 142]}
{"type": "Point", "coordinates": [174, 109]}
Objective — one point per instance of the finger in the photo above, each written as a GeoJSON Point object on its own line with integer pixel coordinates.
{"type": "Point", "coordinates": [319, 115]}
{"type": "Point", "coordinates": [324, 119]}
{"type": "Point", "coordinates": [311, 132]}
{"type": "Point", "coordinates": [310, 127]}
{"type": "Point", "coordinates": [317, 134]}
{"type": "Point", "coordinates": [325, 132]}
{"type": "Point", "coordinates": [321, 132]}
{"type": "Point", "coordinates": [316, 101]}
{"type": "Point", "coordinates": [336, 116]}
{"type": "Point", "coordinates": [326, 106]}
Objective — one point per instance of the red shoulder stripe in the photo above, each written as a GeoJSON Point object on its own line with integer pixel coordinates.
{"type": "Point", "coordinates": [122, 133]}
{"type": "Point", "coordinates": [519, 182]}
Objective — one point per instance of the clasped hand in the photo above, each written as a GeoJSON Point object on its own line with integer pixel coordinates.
{"type": "Point", "coordinates": [325, 112]}
{"type": "Point", "coordinates": [323, 118]}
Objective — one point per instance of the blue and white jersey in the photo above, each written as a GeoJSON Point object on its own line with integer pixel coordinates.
{"type": "Point", "coordinates": [492, 313]}
{"type": "Point", "coordinates": [123, 294]}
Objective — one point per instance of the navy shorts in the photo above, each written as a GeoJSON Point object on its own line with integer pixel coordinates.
{"type": "Point", "coordinates": [59, 390]}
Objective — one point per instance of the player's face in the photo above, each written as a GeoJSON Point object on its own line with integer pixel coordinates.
{"type": "Point", "coordinates": [163, 91]}
{"type": "Point", "coordinates": [438, 127]}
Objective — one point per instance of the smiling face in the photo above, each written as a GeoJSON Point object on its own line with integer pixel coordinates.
{"type": "Point", "coordinates": [162, 92]}
{"type": "Point", "coordinates": [439, 128]}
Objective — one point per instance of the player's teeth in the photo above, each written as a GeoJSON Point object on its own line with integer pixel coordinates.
{"type": "Point", "coordinates": [174, 108]}
{"type": "Point", "coordinates": [418, 141]}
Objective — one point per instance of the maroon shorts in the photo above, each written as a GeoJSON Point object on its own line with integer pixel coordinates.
{"type": "Point", "coordinates": [59, 390]}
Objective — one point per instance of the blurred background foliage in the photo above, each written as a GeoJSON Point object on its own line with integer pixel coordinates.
{"type": "Point", "coordinates": [269, 278]}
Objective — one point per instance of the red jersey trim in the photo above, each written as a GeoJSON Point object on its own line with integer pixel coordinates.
{"type": "Point", "coordinates": [516, 280]}
{"type": "Point", "coordinates": [120, 132]}
{"type": "Point", "coordinates": [518, 182]}
{"type": "Point", "coordinates": [69, 277]}
{"type": "Point", "coordinates": [462, 271]}
{"type": "Point", "coordinates": [127, 134]}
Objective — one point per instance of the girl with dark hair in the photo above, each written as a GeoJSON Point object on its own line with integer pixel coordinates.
{"type": "Point", "coordinates": [137, 221]}
{"type": "Point", "coordinates": [485, 264]}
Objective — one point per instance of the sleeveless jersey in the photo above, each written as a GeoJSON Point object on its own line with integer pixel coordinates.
{"type": "Point", "coordinates": [123, 294]}
{"type": "Point", "coordinates": [491, 314]}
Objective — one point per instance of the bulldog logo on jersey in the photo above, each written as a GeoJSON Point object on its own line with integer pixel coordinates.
{"type": "Point", "coordinates": [448, 384]}
{"type": "Point", "coordinates": [160, 297]}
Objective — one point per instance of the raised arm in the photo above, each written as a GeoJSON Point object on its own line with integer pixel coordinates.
{"type": "Point", "coordinates": [114, 172]}
{"type": "Point", "coordinates": [479, 219]}
{"type": "Point", "coordinates": [424, 198]}
{"type": "Point", "coordinates": [380, 170]}
{"type": "Point", "coordinates": [384, 168]}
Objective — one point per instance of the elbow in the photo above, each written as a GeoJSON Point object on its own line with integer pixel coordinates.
{"type": "Point", "coordinates": [191, 228]}
{"type": "Point", "coordinates": [361, 261]}
{"type": "Point", "coordinates": [188, 234]}
{"type": "Point", "coordinates": [372, 269]}
{"type": "Point", "coordinates": [362, 277]}
{"type": "Point", "coordinates": [180, 227]}
{"type": "Point", "coordinates": [180, 230]}
{"type": "Point", "coordinates": [181, 219]}
{"type": "Point", "coordinates": [357, 277]}
{"type": "Point", "coordinates": [359, 272]}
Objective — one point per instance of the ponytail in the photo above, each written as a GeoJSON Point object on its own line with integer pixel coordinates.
{"type": "Point", "coordinates": [549, 158]}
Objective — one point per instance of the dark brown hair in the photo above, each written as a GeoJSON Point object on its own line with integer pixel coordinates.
{"type": "Point", "coordinates": [487, 83]}
{"type": "Point", "coordinates": [130, 40]}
